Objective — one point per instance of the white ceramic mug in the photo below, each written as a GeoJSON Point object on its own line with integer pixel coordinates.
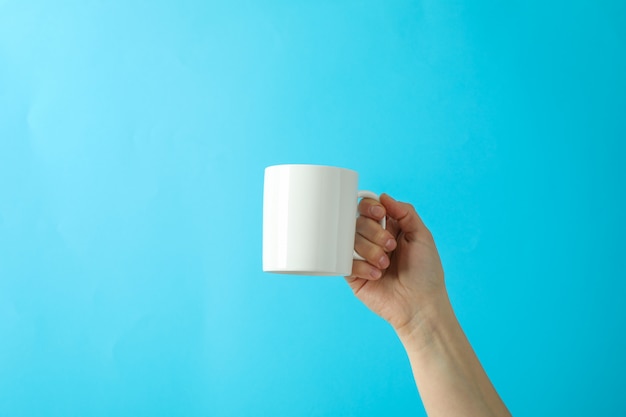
{"type": "Point", "coordinates": [309, 219]}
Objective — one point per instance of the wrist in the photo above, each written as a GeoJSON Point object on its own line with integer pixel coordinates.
{"type": "Point", "coordinates": [422, 328]}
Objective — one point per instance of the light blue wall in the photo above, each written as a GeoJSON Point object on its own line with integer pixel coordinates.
{"type": "Point", "coordinates": [133, 137]}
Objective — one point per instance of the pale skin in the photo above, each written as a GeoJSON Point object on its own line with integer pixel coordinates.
{"type": "Point", "coordinates": [402, 281]}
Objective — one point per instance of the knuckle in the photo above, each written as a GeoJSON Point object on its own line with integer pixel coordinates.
{"type": "Point", "coordinates": [365, 224]}
{"type": "Point", "coordinates": [360, 222]}
{"type": "Point", "coordinates": [356, 269]}
{"type": "Point", "coordinates": [375, 254]}
{"type": "Point", "coordinates": [369, 251]}
{"type": "Point", "coordinates": [382, 236]}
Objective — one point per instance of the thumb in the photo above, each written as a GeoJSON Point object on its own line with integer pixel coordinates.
{"type": "Point", "coordinates": [407, 218]}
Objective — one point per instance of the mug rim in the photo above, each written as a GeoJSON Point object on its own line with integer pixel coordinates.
{"type": "Point", "coordinates": [311, 166]}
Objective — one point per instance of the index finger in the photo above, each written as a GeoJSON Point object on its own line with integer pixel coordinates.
{"type": "Point", "coordinates": [371, 208]}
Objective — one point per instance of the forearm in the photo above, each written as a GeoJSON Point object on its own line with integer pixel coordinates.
{"type": "Point", "coordinates": [449, 376]}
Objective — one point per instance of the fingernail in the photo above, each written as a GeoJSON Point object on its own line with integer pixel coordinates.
{"type": "Point", "coordinates": [383, 262]}
{"type": "Point", "coordinates": [390, 244]}
{"type": "Point", "coordinates": [376, 273]}
{"type": "Point", "coordinates": [377, 211]}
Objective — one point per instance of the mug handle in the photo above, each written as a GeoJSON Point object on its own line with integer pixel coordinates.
{"type": "Point", "coordinates": [383, 221]}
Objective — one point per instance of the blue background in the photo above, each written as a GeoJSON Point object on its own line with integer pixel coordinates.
{"type": "Point", "coordinates": [133, 138]}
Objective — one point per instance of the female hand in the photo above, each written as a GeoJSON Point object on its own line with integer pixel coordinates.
{"type": "Point", "coordinates": [402, 275]}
